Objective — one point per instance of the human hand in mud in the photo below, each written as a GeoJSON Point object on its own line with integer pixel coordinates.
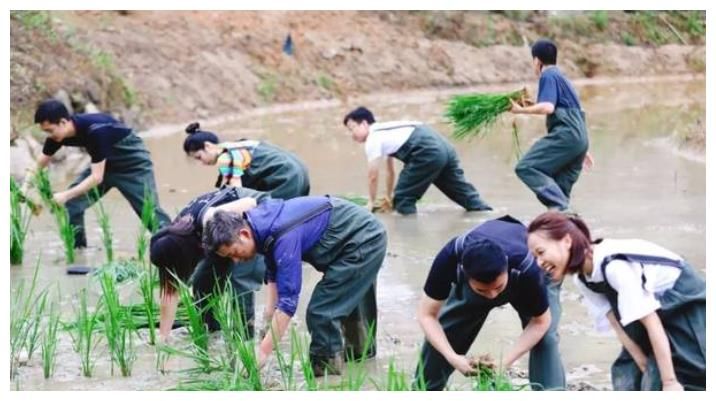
{"type": "Point", "coordinates": [385, 205]}
{"type": "Point", "coordinates": [464, 364]}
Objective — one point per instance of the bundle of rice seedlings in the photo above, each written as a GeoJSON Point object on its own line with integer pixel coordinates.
{"type": "Point", "coordinates": [488, 376]}
{"type": "Point", "coordinates": [19, 224]}
{"type": "Point", "coordinates": [120, 270]}
{"type": "Point", "coordinates": [49, 342]}
{"type": "Point", "coordinates": [473, 114]}
{"type": "Point", "coordinates": [44, 188]}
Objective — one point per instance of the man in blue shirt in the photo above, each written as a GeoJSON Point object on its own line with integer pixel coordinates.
{"type": "Point", "coordinates": [118, 159]}
{"type": "Point", "coordinates": [340, 239]}
{"type": "Point", "coordinates": [553, 164]}
{"type": "Point", "coordinates": [482, 269]}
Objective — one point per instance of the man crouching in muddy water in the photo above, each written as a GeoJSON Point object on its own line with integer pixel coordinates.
{"type": "Point", "coordinates": [489, 266]}
{"type": "Point", "coordinates": [340, 239]}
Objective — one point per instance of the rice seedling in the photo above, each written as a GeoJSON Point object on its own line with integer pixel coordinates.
{"type": "Point", "coordinates": [49, 343]}
{"type": "Point", "coordinates": [197, 329]}
{"type": "Point", "coordinates": [149, 222]}
{"type": "Point", "coordinates": [19, 224]}
{"type": "Point", "coordinates": [84, 328]}
{"type": "Point", "coordinates": [105, 226]}
{"type": "Point", "coordinates": [473, 114]}
{"type": "Point", "coordinates": [489, 377]}
{"type": "Point", "coordinates": [23, 303]}
{"type": "Point", "coordinates": [67, 233]}
{"type": "Point", "coordinates": [41, 180]}
{"type": "Point", "coordinates": [118, 327]}
{"type": "Point", "coordinates": [34, 324]}
{"type": "Point", "coordinates": [355, 373]}
{"type": "Point", "coordinates": [396, 380]}
{"type": "Point", "coordinates": [62, 218]}
{"type": "Point", "coordinates": [146, 288]}
{"type": "Point", "coordinates": [299, 347]}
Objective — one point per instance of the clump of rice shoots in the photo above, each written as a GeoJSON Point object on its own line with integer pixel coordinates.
{"type": "Point", "coordinates": [49, 342]}
{"type": "Point", "coordinates": [82, 332]}
{"type": "Point", "coordinates": [149, 222]}
{"type": "Point", "coordinates": [488, 377]}
{"type": "Point", "coordinates": [19, 224]}
{"type": "Point", "coordinates": [473, 114]}
{"type": "Point", "coordinates": [105, 226]}
{"type": "Point", "coordinates": [62, 217]}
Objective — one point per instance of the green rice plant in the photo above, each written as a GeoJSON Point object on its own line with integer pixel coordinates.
{"type": "Point", "coordinates": [105, 225]}
{"type": "Point", "coordinates": [146, 288]}
{"type": "Point", "coordinates": [118, 328]}
{"type": "Point", "coordinates": [396, 380]}
{"type": "Point", "coordinates": [149, 222]}
{"type": "Point", "coordinates": [197, 329]}
{"type": "Point", "coordinates": [67, 233]}
{"type": "Point", "coordinates": [19, 223]}
{"type": "Point", "coordinates": [82, 332]}
{"type": "Point", "coordinates": [472, 114]}
{"type": "Point", "coordinates": [355, 373]}
{"type": "Point", "coordinates": [22, 304]}
{"type": "Point", "coordinates": [490, 377]}
{"type": "Point", "coordinates": [41, 180]}
{"type": "Point", "coordinates": [49, 342]}
{"type": "Point", "coordinates": [299, 347]}
{"type": "Point", "coordinates": [34, 324]}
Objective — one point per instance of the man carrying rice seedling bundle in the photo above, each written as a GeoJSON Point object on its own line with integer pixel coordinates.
{"type": "Point", "coordinates": [177, 252]}
{"type": "Point", "coordinates": [119, 160]}
{"type": "Point", "coordinates": [428, 157]}
{"type": "Point", "coordinates": [553, 164]}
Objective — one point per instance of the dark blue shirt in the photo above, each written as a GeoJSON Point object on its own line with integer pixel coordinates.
{"type": "Point", "coordinates": [283, 260]}
{"type": "Point", "coordinates": [555, 88]}
{"type": "Point", "coordinates": [529, 297]}
{"type": "Point", "coordinates": [95, 132]}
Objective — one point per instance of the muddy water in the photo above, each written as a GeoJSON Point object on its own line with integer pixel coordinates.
{"type": "Point", "coordinates": [638, 188]}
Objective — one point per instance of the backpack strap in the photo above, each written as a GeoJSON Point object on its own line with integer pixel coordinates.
{"type": "Point", "coordinates": [271, 239]}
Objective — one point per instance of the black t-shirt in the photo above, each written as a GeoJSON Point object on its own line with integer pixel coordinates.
{"type": "Point", "coordinates": [528, 295]}
{"type": "Point", "coordinates": [95, 132]}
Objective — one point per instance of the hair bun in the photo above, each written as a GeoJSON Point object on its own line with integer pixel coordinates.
{"type": "Point", "coordinates": [192, 128]}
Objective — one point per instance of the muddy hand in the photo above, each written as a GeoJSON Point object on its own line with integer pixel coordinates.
{"type": "Point", "coordinates": [464, 365]}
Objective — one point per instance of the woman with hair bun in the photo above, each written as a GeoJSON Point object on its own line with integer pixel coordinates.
{"type": "Point", "coordinates": [258, 165]}
{"type": "Point", "coordinates": [652, 298]}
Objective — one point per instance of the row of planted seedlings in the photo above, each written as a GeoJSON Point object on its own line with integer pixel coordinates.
{"type": "Point", "coordinates": [233, 365]}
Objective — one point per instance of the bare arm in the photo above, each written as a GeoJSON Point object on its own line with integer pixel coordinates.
{"type": "Point", "coordinates": [279, 324]}
{"type": "Point", "coordinates": [428, 310]}
{"type": "Point", "coordinates": [531, 335]}
{"type": "Point", "coordinates": [167, 311]}
{"type": "Point", "coordinates": [632, 348]}
{"type": "Point", "coordinates": [662, 352]}
{"type": "Point", "coordinates": [238, 206]}
{"type": "Point", "coordinates": [539, 108]}
{"type": "Point", "coordinates": [95, 178]}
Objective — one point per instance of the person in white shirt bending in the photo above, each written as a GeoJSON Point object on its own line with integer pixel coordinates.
{"type": "Point", "coordinates": [652, 298]}
{"type": "Point", "coordinates": [428, 157]}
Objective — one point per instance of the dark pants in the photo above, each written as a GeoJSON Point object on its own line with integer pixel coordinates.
{"type": "Point", "coordinates": [343, 303]}
{"type": "Point", "coordinates": [462, 317]}
{"type": "Point", "coordinates": [430, 159]}
{"type": "Point", "coordinates": [129, 169]}
{"type": "Point", "coordinates": [277, 172]}
{"type": "Point", "coordinates": [246, 278]}
{"type": "Point", "coordinates": [553, 164]}
{"type": "Point", "coordinates": [683, 314]}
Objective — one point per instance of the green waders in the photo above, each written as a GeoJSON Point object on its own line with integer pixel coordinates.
{"type": "Point", "coordinates": [129, 169]}
{"type": "Point", "coordinates": [343, 304]}
{"type": "Point", "coordinates": [430, 159]}
{"type": "Point", "coordinates": [683, 314]}
{"type": "Point", "coordinates": [462, 317]}
{"type": "Point", "coordinates": [277, 172]}
{"type": "Point", "coordinates": [552, 165]}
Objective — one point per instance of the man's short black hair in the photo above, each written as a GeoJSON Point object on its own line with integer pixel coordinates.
{"type": "Point", "coordinates": [51, 111]}
{"type": "Point", "coordinates": [483, 260]}
{"type": "Point", "coordinates": [546, 51]}
{"type": "Point", "coordinates": [359, 115]}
